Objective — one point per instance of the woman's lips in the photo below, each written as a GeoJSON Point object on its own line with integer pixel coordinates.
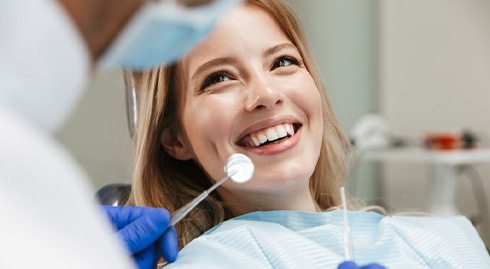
{"type": "Point", "coordinates": [268, 135]}
{"type": "Point", "coordinates": [277, 147]}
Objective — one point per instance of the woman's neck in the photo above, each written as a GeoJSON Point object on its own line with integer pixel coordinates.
{"type": "Point", "coordinates": [242, 202]}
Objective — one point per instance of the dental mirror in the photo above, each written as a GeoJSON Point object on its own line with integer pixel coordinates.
{"type": "Point", "coordinates": [238, 167]}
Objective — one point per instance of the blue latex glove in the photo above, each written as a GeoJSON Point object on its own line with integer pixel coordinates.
{"type": "Point", "coordinates": [353, 265]}
{"type": "Point", "coordinates": [145, 232]}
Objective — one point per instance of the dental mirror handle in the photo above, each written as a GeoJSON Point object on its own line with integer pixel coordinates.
{"type": "Point", "coordinates": [238, 167]}
{"type": "Point", "coordinates": [180, 213]}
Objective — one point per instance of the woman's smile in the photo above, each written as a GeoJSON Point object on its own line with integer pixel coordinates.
{"type": "Point", "coordinates": [272, 136]}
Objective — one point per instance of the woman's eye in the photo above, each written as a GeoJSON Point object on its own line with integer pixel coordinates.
{"type": "Point", "coordinates": [284, 61]}
{"type": "Point", "coordinates": [214, 79]}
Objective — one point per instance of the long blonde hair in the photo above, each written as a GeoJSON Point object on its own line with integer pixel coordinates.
{"type": "Point", "coordinates": [162, 181]}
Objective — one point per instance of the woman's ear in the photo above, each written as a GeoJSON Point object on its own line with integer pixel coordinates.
{"type": "Point", "coordinates": [175, 145]}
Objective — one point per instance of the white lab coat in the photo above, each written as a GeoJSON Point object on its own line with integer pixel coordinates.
{"type": "Point", "coordinates": [48, 216]}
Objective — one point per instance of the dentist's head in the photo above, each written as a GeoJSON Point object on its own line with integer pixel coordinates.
{"type": "Point", "coordinates": [135, 34]}
{"type": "Point", "coordinates": [140, 34]}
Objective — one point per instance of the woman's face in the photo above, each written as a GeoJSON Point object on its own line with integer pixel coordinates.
{"type": "Point", "coordinates": [246, 90]}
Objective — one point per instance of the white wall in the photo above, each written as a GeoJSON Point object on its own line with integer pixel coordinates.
{"type": "Point", "coordinates": [343, 37]}
{"type": "Point", "coordinates": [97, 132]}
{"type": "Point", "coordinates": [435, 75]}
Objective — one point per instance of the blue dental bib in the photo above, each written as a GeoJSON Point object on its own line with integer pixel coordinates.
{"type": "Point", "coordinates": [293, 239]}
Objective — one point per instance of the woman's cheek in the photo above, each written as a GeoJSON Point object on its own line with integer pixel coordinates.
{"type": "Point", "coordinates": [307, 97]}
{"type": "Point", "coordinates": [210, 120]}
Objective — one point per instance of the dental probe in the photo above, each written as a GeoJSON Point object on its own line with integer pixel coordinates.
{"type": "Point", "coordinates": [349, 254]}
{"type": "Point", "coordinates": [238, 167]}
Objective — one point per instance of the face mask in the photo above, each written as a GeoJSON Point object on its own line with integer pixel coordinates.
{"type": "Point", "coordinates": [161, 32]}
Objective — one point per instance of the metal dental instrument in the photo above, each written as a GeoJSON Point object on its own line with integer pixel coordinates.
{"type": "Point", "coordinates": [349, 254]}
{"type": "Point", "coordinates": [238, 167]}
{"type": "Point", "coordinates": [131, 103]}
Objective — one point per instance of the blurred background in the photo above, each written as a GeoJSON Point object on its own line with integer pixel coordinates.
{"type": "Point", "coordinates": [416, 67]}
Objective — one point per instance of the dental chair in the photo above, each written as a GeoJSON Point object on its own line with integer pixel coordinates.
{"type": "Point", "coordinates": [113, 194]}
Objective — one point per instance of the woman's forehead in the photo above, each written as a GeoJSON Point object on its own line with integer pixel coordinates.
{"type": "Point", "coordinates": [245, 30]}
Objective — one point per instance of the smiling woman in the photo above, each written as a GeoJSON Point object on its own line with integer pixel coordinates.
{"type": "Point", "coordinates": [259, 96]}
{"type": "Point", "coordinates": [251, 88]}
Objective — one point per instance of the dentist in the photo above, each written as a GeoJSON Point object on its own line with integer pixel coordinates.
{"type": "Point", "coordinates": [48, 50]}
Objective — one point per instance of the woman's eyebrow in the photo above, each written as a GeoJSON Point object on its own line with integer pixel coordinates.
{"type": "Point", "coordinates": [229, 60]}
{"type": "Point", "coordinates": [275, 49]}
{"type": "Point", "coordinates": [211, 63]}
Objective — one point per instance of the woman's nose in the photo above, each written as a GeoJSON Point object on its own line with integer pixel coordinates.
{"type": "Point", "coordinates": [262, 95]}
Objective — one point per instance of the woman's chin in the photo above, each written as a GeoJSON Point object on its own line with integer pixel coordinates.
{"type": "Point", "coordinates": [277, 181]}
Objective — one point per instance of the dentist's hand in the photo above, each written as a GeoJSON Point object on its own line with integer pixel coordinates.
{"type": "Point", "coordinates": [353, 265]}
{"type": "Point", "coordinates": [145, 232]}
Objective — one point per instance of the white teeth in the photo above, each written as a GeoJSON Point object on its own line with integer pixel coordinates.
{"type": "Point", "coordinates": [289, 129]}
{"type": "Point", "coordinates": [271, 134]}
{"type": "Point", "coordinates": [256, 141]}
{"type": "Point", "coordinates": [262, 138]}
{"type": "Point", "coordinates": [281, 131]}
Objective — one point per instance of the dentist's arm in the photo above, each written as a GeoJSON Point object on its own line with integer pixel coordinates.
{"type": "Point", "coordinates": [145, 232]}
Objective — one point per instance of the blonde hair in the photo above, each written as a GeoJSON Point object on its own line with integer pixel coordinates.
{"type": "Point", "coordinates": [162, 181]}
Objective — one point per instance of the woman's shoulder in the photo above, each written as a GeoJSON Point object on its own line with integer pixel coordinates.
{"type": "Point", "coordinates": [251, 243]}
{"type": "Point", "coordinates": [291, 239]}
{"type": "Point", "coordinates": [233, 244]}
